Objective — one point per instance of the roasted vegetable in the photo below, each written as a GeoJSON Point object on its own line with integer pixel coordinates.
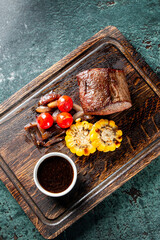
{"type": "Point", "coordinates": [45, 120]}
{"type": "Point", "coordinates": [43, 109]}
{"type": "Point", "coordinates": [65, 103]}
{"type": "Point", "coordinates": [49, 97]}
{"type": "Point", "coordinates": [64, 119]}
{"type": "Point", "coordinates": [105, 135]}
{"type": "Point", "coordinates": [78, 138]}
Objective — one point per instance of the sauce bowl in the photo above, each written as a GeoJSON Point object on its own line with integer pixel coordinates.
{"type": "Point", "coordinates": [55, 174]}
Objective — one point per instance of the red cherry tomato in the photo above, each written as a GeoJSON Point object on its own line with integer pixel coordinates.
{"type": "Point", "coordinates": [64, 119]}
{"type": "Point", "coordinates": [45, 120]}
{"type": "Point", "coordinates": [65, 103]}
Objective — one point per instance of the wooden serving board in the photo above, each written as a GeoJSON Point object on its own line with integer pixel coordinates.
{"type": "Point", "coordinates": [101, 173]}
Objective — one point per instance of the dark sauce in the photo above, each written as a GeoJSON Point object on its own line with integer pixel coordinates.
{"type": "Point", "coordinates": [55, 174]}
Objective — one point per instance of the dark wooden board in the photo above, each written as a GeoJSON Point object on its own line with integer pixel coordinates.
{"type": "Point", "coordinates": [101, 173]}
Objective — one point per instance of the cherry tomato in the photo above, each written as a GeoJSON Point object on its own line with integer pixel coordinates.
{"type": "Point", "coordinates": [45, 120]}
{"type": "Point", "coordinates": [64, 119]}
{"type": "Point", "coordinates": [65, 103]}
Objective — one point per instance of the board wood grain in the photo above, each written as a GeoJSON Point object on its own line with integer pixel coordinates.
{"type": "Point", "coordinates": [101, 173]}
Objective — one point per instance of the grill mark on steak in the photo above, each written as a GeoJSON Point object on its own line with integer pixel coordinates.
{"type": "Point", "coordinates": [85, 87]}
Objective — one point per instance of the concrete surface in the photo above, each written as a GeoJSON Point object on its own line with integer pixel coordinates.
{"type": "Point", "coordinates": [36, 34]}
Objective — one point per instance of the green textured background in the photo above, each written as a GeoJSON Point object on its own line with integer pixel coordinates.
{"type": "Point", "coordinates": [36, 34]}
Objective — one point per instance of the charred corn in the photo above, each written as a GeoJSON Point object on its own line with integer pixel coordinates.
{"type": "Point", "coordinates": [78, 138]}
{"type": "Point", "coordinates": [105, 135]}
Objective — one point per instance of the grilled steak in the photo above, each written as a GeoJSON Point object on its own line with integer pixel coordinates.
{"type": "Point", "coordinates": [103, 91]}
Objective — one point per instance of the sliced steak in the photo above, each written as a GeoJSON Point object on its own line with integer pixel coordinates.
{"type": "Point", "coordinates": [94, 89]}
{"type": "Point", "coordinates": [103, 91]}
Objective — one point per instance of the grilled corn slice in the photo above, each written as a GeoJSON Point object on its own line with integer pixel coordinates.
{"type": "Point", "coordinates": [78, 138]}
{"type": "Point", "coordinates": [105, 135]}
